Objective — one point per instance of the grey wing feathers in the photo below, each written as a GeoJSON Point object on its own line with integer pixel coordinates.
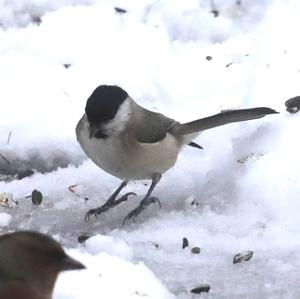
{"type": "Point", "coordinates": [153, 127]}
{"type": "Point", "coordinates": [220, 119]}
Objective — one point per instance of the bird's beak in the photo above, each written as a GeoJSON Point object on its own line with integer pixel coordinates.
{"type": "Point", "coordinates": [68, 263]}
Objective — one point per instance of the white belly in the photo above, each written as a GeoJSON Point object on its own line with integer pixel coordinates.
{"type": "Point", "coordinates": [125, 158]}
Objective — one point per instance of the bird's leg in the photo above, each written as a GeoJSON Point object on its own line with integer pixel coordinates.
{"type": "Point", "coordinates": [146, 201]}
{"type": "Point", "coordinates": [110, 203]}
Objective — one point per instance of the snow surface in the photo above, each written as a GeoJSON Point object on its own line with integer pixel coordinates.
{"type": "Point", "coordinates": [54, 53]}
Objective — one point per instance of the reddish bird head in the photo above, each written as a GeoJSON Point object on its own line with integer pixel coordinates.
{"type": "Point", "coordinates": [29, 265]}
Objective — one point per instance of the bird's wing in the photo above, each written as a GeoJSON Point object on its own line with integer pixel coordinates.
{"type": "Point", "coordinates": [153, 127]}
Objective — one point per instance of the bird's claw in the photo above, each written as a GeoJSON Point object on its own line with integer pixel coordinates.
{"type": "Point", "coordinates": [154, 200]}
{"type": "Point", "coordinates": [140, 208]}
{"type": "Point", "coordinates": [123, 198]}
{"type": "Point", "coordinates": [111, 203]}
{"type": "Point", "coordinates": [89, 213]}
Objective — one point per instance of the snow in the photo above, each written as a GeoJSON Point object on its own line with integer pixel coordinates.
{"type": "Point", "coordinates": [246, 181]}
{"type": "Point", "coordinates": [110, 276]}
{"type": "Point", "coordinates": [5, 218]}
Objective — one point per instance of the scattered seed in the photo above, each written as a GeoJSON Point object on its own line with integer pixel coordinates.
{"type": "Point", "coordinates": [3, 199]}
{"type": "Point", "coordinates": [154, 244]}
{"type": "Point", "coordinates": [36, 197]}
{"type": "Point", "coordinates": [215, 13]}
{"type": "Point", "coordinates": [242, 257]}
{"type": "Point", "coordinates": [83, 238]}
{"type": "Point", "coordinates": [195, 250]}
{"type": "Point", "coordinates": [293, 104]}
{"type": "Point", "coordinates": [251, 156]}
{"type": "Point", "coordinates": [185, 243]}
{"type": "Point", "coordinates": [245, 158]}
{"type": "Point", "coordinates": [6, 200]}
{"type": "Point", "coordinates": [229, 64]}
{"type": "Point", "coordinates": [120, 10]}
{"type": "Point", "coordinates": [36, 20]}
{"type": "Point", "coordinates": [67, 65]}
{"type": "Point", "coordinates": [72, 189]}
{"type": "Point", "coordinates": [195, 203]}
{"type": "Point", "coordinates": [202, 288]}
{"type": "Point", "coordinates": [208, 58]}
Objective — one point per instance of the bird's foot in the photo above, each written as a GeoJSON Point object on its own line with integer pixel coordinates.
{"type": "Point", "coordinates": [109, 204]}
{"type": "Point", "coordinates": [140, 208]}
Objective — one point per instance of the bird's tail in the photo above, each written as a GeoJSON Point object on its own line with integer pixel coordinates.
{"type": "Point", "coordinates": [220, 119]}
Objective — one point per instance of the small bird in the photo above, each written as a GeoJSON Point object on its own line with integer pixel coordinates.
{"type": "Point", "coordinates": [293, 104]}
{"type": "Point", "coordinates": [133, 143]}
{"type": "Point", "coordinates": [29, 265]}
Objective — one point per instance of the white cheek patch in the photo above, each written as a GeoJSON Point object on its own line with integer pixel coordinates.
{"type": "Point", "coordinates": [120, 120]}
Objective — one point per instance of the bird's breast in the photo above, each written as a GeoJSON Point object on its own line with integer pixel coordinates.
{"type": "Point", "coordinates": [122, 156]}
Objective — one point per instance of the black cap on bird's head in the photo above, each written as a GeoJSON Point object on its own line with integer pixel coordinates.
{"type": "Point", "coordinates": [103, 104]}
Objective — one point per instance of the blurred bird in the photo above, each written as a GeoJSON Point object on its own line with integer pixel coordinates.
{"type": "Point", "coordinates": [133, 143]}
{"type": "Point", "coordinates": [293, 104]}
{"type": "Point", "coordinates": [29, 265]}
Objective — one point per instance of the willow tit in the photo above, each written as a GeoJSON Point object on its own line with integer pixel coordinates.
{"type": "Point", "coordinates": [133, 143]}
